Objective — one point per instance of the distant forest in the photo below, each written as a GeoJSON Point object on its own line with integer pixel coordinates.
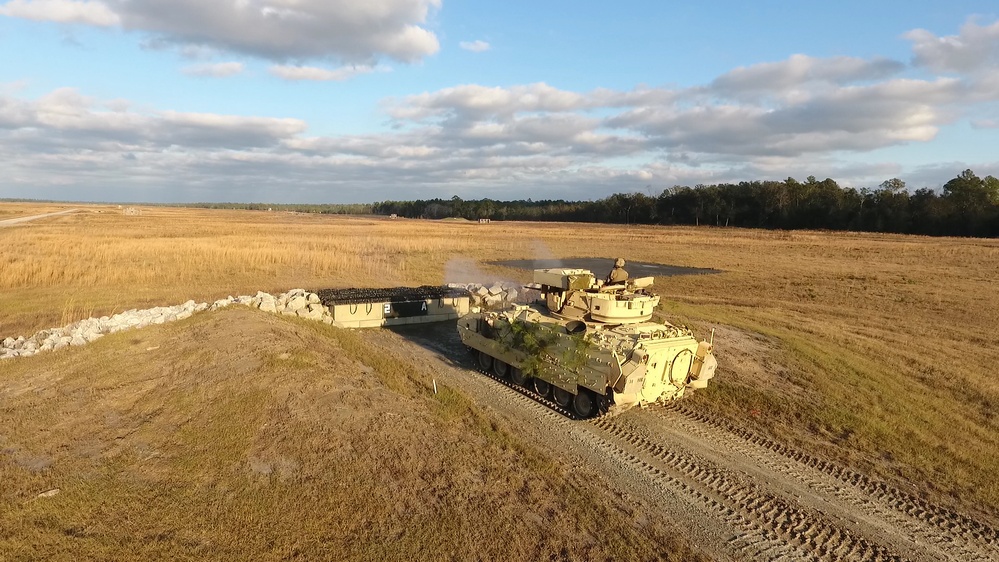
{"type": "Point", "coordinates": [967, 206]}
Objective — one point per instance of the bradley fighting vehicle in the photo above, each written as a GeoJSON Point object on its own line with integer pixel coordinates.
{"type": "Point", "coordinates": [589, 347]}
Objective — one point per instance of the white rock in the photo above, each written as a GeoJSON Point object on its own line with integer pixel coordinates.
{"type": "Point", "coordinates": [297, 303]}
{"type": "Point", "coordinates": [511, 294]}
{"type": "Point", "coordinates": [312, 313]}
{"type": "Point", "coordinates": [77, 341]}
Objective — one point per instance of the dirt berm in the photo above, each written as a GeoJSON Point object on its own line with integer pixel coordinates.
{"type": "Point", "coordinates": [240, 435]}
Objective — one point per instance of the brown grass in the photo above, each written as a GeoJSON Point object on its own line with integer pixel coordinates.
{"type": "Point", "coordinates": [879, 350]}
{"type": "Point", "coordinates": [238, 435]}
{"type": "Point", "coordinates": [15, 210]}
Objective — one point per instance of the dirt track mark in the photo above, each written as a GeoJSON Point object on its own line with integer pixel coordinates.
{"type": "Point", "coordinates": [19, 220]}
{"type": "Point", "coordinates": [877, 501]}
{"type": "Point", "coordinates": [737, 495]}
{"type": "Point", "coordinates": [773, 527]}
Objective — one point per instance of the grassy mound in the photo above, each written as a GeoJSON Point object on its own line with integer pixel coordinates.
{"type": "Point", "coordinates": [238, 435]}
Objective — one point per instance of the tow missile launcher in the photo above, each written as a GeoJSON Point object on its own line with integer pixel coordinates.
{"type": "Point", "coordinates": [589, 347]}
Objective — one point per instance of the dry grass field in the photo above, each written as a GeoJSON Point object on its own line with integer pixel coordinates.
{"type": "Point", "coordinates": [238, 435]}
{"type": "Point", "coordinates": [878, 351]}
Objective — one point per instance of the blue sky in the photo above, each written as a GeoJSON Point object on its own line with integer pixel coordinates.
{"type": "Point", "coordinates": [345, 101]}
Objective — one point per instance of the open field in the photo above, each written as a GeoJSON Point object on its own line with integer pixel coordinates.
{"type": "Point", "coordinates": [17, 210]}
{"type": "Point", "coordinates": [878, 352]}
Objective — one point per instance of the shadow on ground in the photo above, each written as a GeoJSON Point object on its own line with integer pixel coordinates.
{"type": "Point", "coordinates": [439, 337]}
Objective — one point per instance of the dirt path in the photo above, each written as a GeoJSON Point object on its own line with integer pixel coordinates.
{"type": "Point", "coordinates": [737, 495]}
{"type": "Point", "coordinates": [19, 220]}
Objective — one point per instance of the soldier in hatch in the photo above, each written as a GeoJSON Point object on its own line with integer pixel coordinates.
{"type": "Point", "coordinates": [618, 275]}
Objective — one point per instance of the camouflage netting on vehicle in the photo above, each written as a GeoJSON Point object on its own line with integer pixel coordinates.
{"type": "Point", "coordinates": [332, 297]}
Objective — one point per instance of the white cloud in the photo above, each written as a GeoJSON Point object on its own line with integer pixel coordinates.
{"type": "Point", "coordinates": [974, 49]}
{"type": "Point", "coordinates": [985, 123]}
{"type": "Point", "coordinates": [66, 119]}
{"type": "Point", "coordinates": [800, 116]}
{"type": "Point", "coordinates": [214, 70]}
{"type": "Point", "coordinates": [477, 46]}
{"type": "Point", "coordinates": [491, 141]}
{"type": "Point", "coordinates": [477, 100]}
{"type": "Point", "coordinates": [278, 30]}
{"type": "Point", "coordinates": [90, 12]}
{"type": "Point", "coordinates": [321, 74]}
{"type": "Point", "coordinates": [799, 71]}
{"type": "Point", "coordinates": [17, 86]}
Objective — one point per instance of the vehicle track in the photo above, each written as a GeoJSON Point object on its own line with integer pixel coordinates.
{"type": "Point", "coordinates": [774, 527]}
{"type": "Point", "coordinates": [742, 496]}
{"type": "Point", "coordinates": [21, 220]}
{"type": "Point", "coordinates": [923, 519]}
{"type": "Point", "coordinates": [950, 531]}
{"type": "Point", "coordinates": [953, 532]}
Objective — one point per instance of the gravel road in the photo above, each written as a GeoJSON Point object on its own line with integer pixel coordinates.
{"type": "Point", "coordinates": [737, 495]}
{"type": "Point", "coordinates": [19, 220]}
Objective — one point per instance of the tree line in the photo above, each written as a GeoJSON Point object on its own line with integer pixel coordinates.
{"type": "Point", "coordinates": [967, 206]}
{"type": "Point", "coordinates": [319, 208]}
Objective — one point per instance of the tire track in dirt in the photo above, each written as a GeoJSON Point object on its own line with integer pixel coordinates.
{"type": "Point", "coordinates": [774, 528]}
{"type": "Point", "coordinates": [955, 536]}
{"type": "Point", "coordinates": [21, 220]}
{"type": "Point", "coordinates": [738, 495]}
{"type": "Point", "coordinates": [761, 541]}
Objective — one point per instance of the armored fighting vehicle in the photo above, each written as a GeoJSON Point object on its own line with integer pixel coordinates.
{"type": "Point", "coordinates": [589, 347]}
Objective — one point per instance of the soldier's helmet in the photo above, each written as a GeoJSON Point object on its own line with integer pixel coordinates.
{"type": "Point", "coordinates": [619, 262]}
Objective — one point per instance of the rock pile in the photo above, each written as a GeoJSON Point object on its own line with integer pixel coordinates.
{"type": "Point", "coordinates": [86, 331]}
{"type": "Point", "coordinates": [496, 295]}
{"type": "Point", "coordinates": [297, 302]}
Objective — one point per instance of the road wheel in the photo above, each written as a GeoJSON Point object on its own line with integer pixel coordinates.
{"type": "Point", "coordinates": [584, 404]}
{"type": "Point", "coordinates": [485, 361]}
{"type": "Point", "coordinates": [518, 376]}
{"type": "Point", "coordinates": [500, 368]}
{"type": "Point", "coordinates": [542, 387]}
{"type": "Point", "coordinates": [562, 397]}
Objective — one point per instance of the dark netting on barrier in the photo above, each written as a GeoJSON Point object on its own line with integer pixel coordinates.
{"type": "Point", "coordinates": [331, 297]}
